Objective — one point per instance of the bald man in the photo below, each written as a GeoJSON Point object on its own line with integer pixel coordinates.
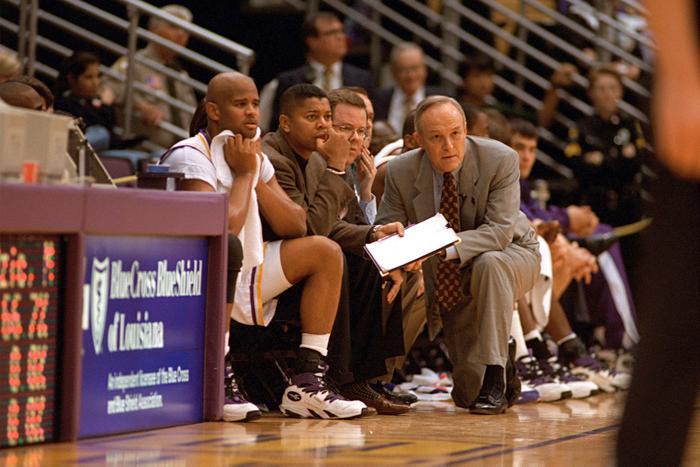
{"type": "Point", "coordinates": [225, 157]}
{"type": "Point", "coordinates": [410, 76]}
{"type": "Point", "coordinates": [21, 95]}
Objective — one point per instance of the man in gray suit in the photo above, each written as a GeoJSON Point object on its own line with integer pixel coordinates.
{"type": "Point", "coordinates": [472, 286]}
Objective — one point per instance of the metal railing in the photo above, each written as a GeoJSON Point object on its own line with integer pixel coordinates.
{"type": "Point", "coordinates": [448, 33]}
{"type": "Point", "coordinates": [30, 15]}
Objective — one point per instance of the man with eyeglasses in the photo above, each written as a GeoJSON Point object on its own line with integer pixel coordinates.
{"type": "Point", "coordinates": [326, 46]}
{"type": "Point", "coordinates": [410, 74]}
{"type": "Point", "coordinates": [351, 120]}
{"type": "Point", "coordinates": [310, 155]}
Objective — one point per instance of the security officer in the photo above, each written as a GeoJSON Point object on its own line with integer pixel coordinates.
{"type": "Point", "coordinates": [606, 151]}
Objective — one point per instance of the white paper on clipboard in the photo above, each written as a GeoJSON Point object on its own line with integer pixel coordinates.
{"type": "Point", "coordinates": [419, 241]}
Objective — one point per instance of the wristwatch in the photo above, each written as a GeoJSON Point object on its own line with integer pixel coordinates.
{"type": "Point", "coordinates": [372, 234]}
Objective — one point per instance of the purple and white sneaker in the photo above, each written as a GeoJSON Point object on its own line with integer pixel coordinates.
{"type": "Point", "coordinates": [307, 396]}
{"type": "Point", "coordinates": [549, 390]}
{"type": "Point", "coordinates": [580, 387]}
{"type": "Point", "coordinates": [608, 380]}
{"type": "Point", "coordinates": [236, 407]}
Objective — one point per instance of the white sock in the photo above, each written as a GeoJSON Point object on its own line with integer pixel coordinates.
{"type": "Point", "coordinates": [516, 331]}
{"type": "Point", "coordinates": [317, 342]}
{"type": "Point", "coordinates": [566, 338]}
{"type": "Point", "coordinates": [534, 334]}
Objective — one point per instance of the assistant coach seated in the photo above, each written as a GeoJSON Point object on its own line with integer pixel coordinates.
{"type": "Point", "coordinates": [473, 182]}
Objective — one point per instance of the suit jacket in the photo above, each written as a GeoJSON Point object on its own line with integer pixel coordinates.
{"type": "Point", "coordinates": [331, 207]}
{"type": "Point", "coordinates": [382, 100]}
{"type": "Point", "coordinates": [352, 76]}
{"type": "Point", "coordinates": [489, 195]}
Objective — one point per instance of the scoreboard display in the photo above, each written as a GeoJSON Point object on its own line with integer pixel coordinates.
{"type": "Point", "coordinates": [30, 283]}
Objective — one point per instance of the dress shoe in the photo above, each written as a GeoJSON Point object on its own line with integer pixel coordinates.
{"type": "Point", "coordinates": [598, 243]}
{"type": "Point", "coordinates": [513, 383]}
{"type": "Point", "coordinates": [489, 402]}
{"type": "Point", "coordinates": [363, 392]}
{"type": "Point", "coordinates": [397, 398]}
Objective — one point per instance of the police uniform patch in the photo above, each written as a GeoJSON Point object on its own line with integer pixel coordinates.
{"type": "Point", "coordinates": [593, 158]}
{"type": "Point", "coordinates": [622, 137]}
{"type": "Point", "coordinates": [572, 150]}
{"type": "Point", "coordinates": [629, 151]}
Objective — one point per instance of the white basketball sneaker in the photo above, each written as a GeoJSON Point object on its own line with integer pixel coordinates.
{"type": "Point", "coordinates": [236, 407]}
{"type": "Point", "coordinates": [308, 397]}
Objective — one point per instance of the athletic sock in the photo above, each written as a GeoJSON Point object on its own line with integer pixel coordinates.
{"type": "Point", "coordinates": [317, 342]}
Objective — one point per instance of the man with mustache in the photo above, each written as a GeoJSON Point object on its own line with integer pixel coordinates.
{"type": "Point", "coordinates": [311, 156]}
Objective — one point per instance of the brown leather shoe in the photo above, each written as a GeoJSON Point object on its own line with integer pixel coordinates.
{"type": "Point", "coordinates": [363, 392]}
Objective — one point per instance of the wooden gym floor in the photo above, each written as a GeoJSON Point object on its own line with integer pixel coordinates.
{"type": "Point", "coordinates": [566, 433]}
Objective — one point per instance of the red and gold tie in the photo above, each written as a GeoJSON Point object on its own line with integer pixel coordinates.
{"type": "Point", "coordinates": [449, 290]}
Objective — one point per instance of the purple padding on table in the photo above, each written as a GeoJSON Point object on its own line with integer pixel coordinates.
{"type": "Point", "coordinates": [40, 208]}
{"type": "Point", "coordinates": [154, 211]}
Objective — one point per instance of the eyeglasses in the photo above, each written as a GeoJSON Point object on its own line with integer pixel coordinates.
{"type": "Point", "coordinates": [332, 32]}
{"type": "Point", "coordinates": [348, 131]}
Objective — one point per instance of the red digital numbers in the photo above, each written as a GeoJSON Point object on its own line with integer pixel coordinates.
{"type": "Point", "coordinates": [36, 362]}
{"type": "Point", "coordinates": [11, 327]}
{"type": "Point", "coordinates": [37, 323]}
{"type": "Point", "coordinates": [28, 294]}
{"type": "Point", "coordinates": [13, 410]}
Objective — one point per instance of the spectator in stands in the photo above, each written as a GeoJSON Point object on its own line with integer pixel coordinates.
{"type": "Point", "coordinates": [9, 65]}
{"type": "Point", "coordinates": [478, 83]}
{"type": "Point", "coordinates": [21, 95]}
{"type": "Point", "coordinates": [225, 157]}
{"type": "Point", "coordinates": [311, 155]}
{"type": "Point", "coordinates": [410, 75]}
{"type": "Point", "coordinates": [477, 120]}
{"type": "Point", "coordinates": [498, 125]}
{"type": "Point", "coordinates": [42, 89]}
{"type": "Point", "coordinates": [78, 90]}
{"type": "Point", "coordinates": [562, 78]}
{"type": "Point", "coordinates": [150, 111]}
{"type": "Point", "coordinates": [606, 152]}
{"type": "Point", "coordinates": [326, 45]}
{"type": "Point", "coordinates": [473, 285]}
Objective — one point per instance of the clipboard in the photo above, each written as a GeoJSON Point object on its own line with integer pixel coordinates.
{"type": "Point", "coordinates": [420, 241]}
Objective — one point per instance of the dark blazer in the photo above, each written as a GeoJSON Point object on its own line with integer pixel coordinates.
{"type": "Point", "coordinates": [331, 207]}
{"type": "Point", "coordinates": [382, 100]}
{"type": "Point", "coordinates": [489, 195]}
{"type": "Point", "coordinates": [352, 76]}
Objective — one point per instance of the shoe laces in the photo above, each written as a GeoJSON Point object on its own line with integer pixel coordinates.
{"type": "Point", "coordinates": [231, 389]}
{"type": "Point", "coordinates": [560, 371]}
{"type": "Point", "coordinates": [315, 383]}
{"type": "Point", "coordinates": [528, 369]}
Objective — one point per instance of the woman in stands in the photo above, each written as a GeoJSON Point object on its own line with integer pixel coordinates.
{"type": "Point", "coordinates": [79, 93]}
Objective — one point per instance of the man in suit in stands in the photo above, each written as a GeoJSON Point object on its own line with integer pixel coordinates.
{"type": "Point", "coordinates": [472, 286]}
{"type": "Point", "coordinates": [326, 45]}
{"type": "Point", "coordinates": [410, 73]}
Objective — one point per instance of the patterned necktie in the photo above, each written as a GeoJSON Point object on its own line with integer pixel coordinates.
{"type": "Point", "coordinates": [327, 75]}
{"type": "Point", "coordinates": [449, 290]}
